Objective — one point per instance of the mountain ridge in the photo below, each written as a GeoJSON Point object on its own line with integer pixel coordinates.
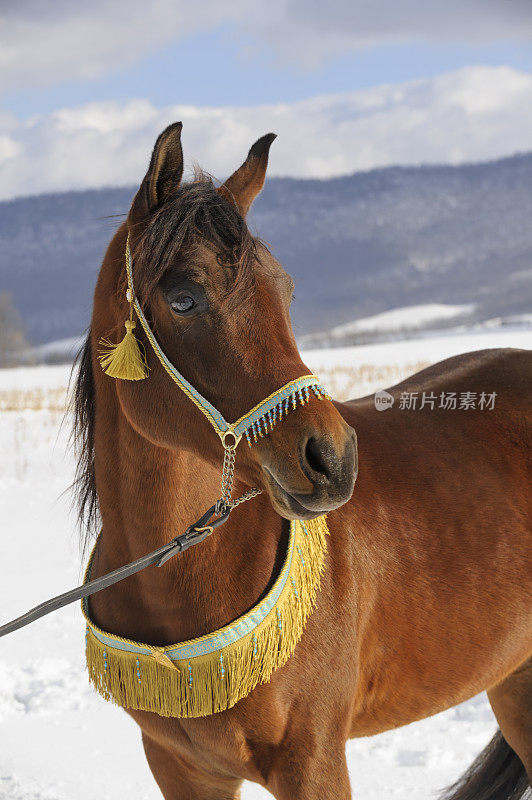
{"type": "Point", "coordinates": [356, 245]}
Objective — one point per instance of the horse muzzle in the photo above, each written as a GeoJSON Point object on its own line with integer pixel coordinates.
{"type": "Point", "coordinates": [323, 478]}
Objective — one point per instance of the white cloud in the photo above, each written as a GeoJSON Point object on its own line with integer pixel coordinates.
{"type": "Point", "coordinates": [309, 31]}
{"type": "Point", "coordinates": [473, 114]}
{"type": "Point", "coordinates": [45, 43]}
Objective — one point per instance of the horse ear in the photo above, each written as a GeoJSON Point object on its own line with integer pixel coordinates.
{"type": "Point", "coordinates": [244, 185]}
{"type": "Point", "coordinates": [163, 176]}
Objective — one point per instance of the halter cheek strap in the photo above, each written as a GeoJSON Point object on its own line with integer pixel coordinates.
{"type": "Point", "coordinates": [262, 417]}
{"type": "Point", "coordinates": [127, 360]}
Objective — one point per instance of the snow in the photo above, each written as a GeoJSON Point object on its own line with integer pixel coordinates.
{"type": "Point", "coordinates": [59, 740]}
{"type": "Point", "coordinates": [42, 377]}
{"type": "Point", "coordinates": [356, 371]}
{"type": "Point", "coordinates": [407, 351]}
{"type": "Point", "coordinates": [60, 348]}
{"type": "Point", "coordinates": [399, 318]}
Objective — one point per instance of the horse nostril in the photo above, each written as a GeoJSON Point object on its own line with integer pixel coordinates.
{"type": "Point", "coordinates": [318, 458]}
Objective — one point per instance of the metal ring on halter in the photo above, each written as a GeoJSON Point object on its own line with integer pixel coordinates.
{"type": "Point", "coordinates": [230, 446]}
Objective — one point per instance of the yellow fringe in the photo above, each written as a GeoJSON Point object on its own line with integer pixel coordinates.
{"type": "Point", "coordinates": [197, 687]}
{"type": "Point", "coordinates": [124, 360]}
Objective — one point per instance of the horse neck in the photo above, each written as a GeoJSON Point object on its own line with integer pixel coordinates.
{"type": "Point", "coordinates": [148, 495]}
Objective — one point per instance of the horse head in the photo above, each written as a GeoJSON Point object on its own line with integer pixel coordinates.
{"type": "Point", "coordinates": [218, 303]}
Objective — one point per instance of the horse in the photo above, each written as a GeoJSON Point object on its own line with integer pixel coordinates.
{"type": "Point", "coordinates": [425, 596]}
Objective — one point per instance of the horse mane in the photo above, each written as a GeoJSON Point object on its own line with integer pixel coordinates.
{"type": "Point", "coordinates": [83, 406]}
{"type": "Point", "coordinates": [196, 213]}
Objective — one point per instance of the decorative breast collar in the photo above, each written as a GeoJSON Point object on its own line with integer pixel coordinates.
{"type": "Point", "coordinates": [211, 673]}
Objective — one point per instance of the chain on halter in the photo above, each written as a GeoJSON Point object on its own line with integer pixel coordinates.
{"type": "Point", "coordinates": [228, 474]}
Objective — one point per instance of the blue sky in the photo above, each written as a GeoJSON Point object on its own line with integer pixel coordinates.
{"type": "Point", "coordinates": [226, 76]}
{"type": "Point", "coordinates": [85, 88]}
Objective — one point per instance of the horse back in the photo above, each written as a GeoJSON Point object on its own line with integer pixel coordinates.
{"type": "Point", "coordinates": [505, 373]}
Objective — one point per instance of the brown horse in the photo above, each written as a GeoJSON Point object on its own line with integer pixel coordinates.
{"type": "Point", "coordinates": [426, 596]}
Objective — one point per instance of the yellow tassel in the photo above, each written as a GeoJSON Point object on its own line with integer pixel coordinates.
{"type": "Point", "coordinates": [124, 360]}
{"type": "Point", "coordinates": [198, 687]}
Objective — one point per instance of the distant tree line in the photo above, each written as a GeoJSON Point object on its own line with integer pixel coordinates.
{"type": "Point", "coordinates": [14, 347]}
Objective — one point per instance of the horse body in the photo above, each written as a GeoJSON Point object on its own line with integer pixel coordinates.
{"type": "Point", "coordinates": [441, 523]}
{"type": "Point", "coordinates": [426, 595]}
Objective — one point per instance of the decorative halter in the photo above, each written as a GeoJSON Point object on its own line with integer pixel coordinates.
{"type": "Point", "coordinates": [211, 673]}
{"type": "Point", "coordinates": [127, 360]}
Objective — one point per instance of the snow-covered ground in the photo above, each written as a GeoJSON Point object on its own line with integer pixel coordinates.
{"type": "Point", "coordinates": [357, 371]}
{"type": "Point", "coordinates": [414, 322]}
{"type": "Point", "coordinates": [58, 739]}
{"type": "Point", "coordinates": [405, 317]}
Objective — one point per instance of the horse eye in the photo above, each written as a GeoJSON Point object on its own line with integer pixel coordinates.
{"type": "Point", "coordinates": [183, 304]}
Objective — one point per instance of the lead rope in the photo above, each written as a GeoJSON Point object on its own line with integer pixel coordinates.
{"type": "Point", "coordinates": [215, 516]}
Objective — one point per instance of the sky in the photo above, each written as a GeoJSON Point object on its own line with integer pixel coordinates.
{"type": "Point", "coordinates": [347, 85]}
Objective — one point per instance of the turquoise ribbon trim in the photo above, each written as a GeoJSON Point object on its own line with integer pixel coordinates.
{"type": "Point", "coordinates": [214, 414]}
{"type": "Point", "coordinates": [218, 421]}
{"type": "Point", "coordinates": [215, 641]}
{"type": "Point", "coordinates": [269, 404]}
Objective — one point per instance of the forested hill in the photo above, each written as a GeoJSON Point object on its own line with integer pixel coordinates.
{"type": "Point", "coordinates": [356, 245]}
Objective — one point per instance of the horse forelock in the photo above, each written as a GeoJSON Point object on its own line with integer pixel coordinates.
{"type": "Point", "coordinates": [197, 214]}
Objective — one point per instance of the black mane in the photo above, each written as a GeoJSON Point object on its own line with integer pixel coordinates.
{"type": "Point", "coordinates": [83, 405]}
